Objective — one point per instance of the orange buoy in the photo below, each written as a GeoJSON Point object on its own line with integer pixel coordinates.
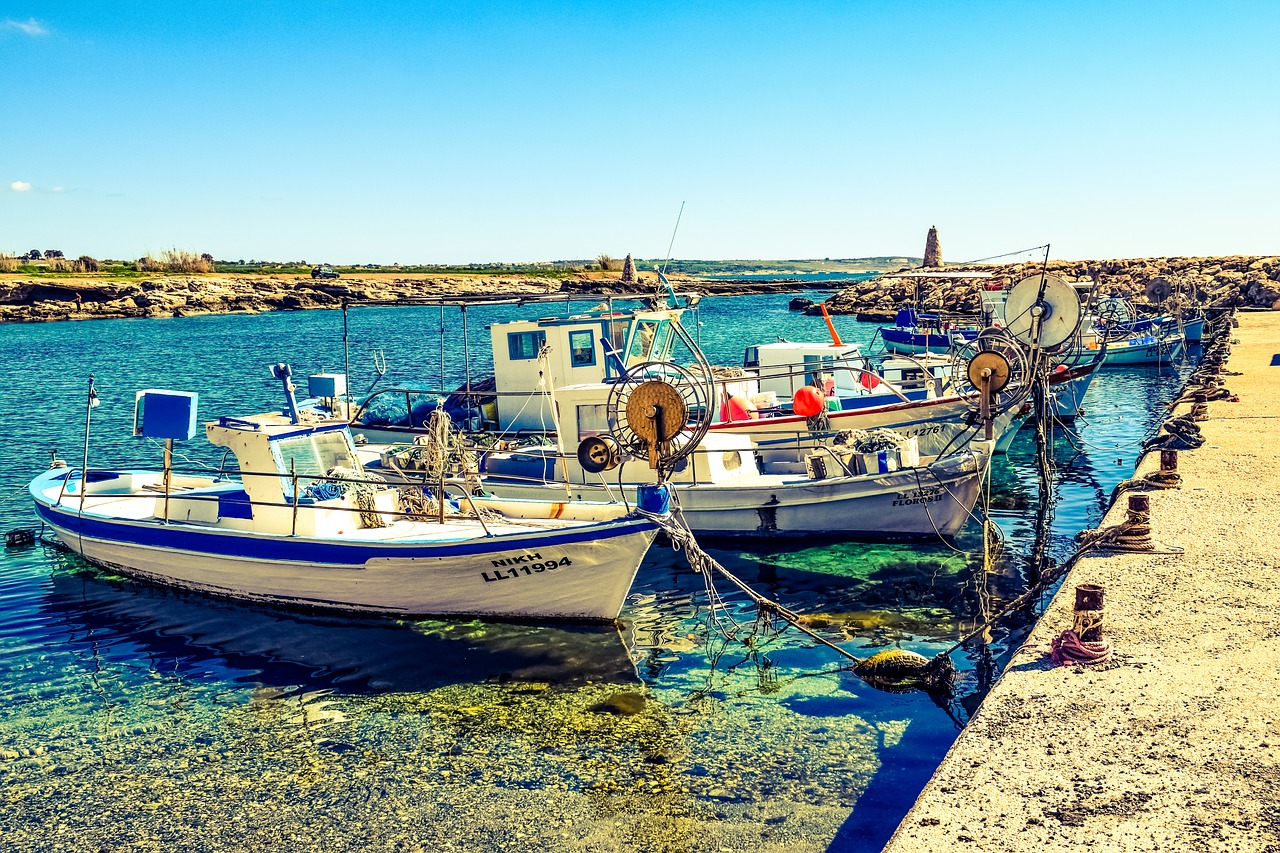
{"type": "Point", "coordinates": [808, 402]}
{"type": "Point", "coordinates": [740, 409]}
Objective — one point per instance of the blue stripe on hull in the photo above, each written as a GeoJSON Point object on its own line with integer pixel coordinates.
{"type": "Point", "coordinates": [258, 546]}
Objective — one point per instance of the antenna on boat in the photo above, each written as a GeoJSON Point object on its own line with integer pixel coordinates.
{"type": "Point", "coordinates": [673, 240]}
{"type": "Point", "coordinates": [662, 272]}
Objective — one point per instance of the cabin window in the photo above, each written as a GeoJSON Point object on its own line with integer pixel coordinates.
{"type": "Point", "coordinates": [641, 340]}
{"type": "Point", "coordinates": [592, 420]}
{"type": "Point", "coordinates": [661, 342]}
{"type": "Point", "coordinates": [313, 455]}
{"type": "Point", "coordinates": [815, 366]}
{"type": "Point", "coordinates": [618, 334]}
{"type": "Point", "coordinates": [582, 348]}
{"type": "Point", "coordinates": [751, 358]}
{"type": "Point", "coordinates": [651, 341]}
{"type": "Point", "coordinates": [522, 346]}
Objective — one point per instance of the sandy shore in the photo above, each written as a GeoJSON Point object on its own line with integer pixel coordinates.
{"type": "Point", "coordinates": [1175, 746]}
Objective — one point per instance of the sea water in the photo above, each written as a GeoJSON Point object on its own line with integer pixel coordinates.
{"type": "Point", "coordinates": [133, 717]}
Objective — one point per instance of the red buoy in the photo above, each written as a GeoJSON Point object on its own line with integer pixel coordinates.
{"type": "Point", "coordinates": [740, 409]}
{"type": "Point", "coordinates": [808, 401]}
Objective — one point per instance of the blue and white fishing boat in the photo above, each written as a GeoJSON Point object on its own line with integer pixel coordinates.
{"type": "Point", "coordinates": [299, 524]}
{"type": "Point", "coordinates": [920, 333]}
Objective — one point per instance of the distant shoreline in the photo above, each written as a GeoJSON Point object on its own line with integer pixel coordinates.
{"type": "Point", "coordinates": [1239, 281]}
{"type": "Point", "coordinates": [31, 299]}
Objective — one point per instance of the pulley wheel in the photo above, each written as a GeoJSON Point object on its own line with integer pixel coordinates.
{"type": "Point", "coordinates": [995, 366]}
{"type": "Point", "coordinates": [598, 453]}
{"type": "Point", "coordinates": [656, 411]}
{"type": "Point", "coordinates": [1158, 290]}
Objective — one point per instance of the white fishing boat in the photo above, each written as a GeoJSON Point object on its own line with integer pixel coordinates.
{"type": "Point", "coordinates": [299, 524]}
{"type": "Point", "coordinates": [729, 485]}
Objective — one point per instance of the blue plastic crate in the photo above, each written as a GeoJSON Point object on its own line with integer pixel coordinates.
{"type": "Point", "coordinates": [165, 414]}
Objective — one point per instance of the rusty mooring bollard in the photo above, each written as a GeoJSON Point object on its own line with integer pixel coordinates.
{"type": "Point", "coordinates": [1168, 462]}
{"type": "Point", "coordinates": [1135, 533]}
{"type": "Point", "coordinates": [1090, 611]}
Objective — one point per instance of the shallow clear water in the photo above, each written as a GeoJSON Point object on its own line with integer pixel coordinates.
{"type": "Point", "coordinates": [133, 717]}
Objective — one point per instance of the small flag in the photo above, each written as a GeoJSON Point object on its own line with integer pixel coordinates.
{"type": "Point", "coordinates": [93, 399]}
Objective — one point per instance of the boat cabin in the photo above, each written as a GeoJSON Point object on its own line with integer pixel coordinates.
{"type": "Point", "coordinates": [785, 367]}
{"type": "Point", "coordinates": [283, 468]}
{"type": "Point", "coordinates": [532, 357]}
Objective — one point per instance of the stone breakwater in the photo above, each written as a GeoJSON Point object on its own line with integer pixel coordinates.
{"type": "Point", "coordinates": [1237, 281]}
{"type": "Point", "coordinates": [42, 300]}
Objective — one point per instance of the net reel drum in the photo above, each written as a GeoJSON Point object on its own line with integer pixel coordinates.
{"type": "Point", "coordinates": [1042, 312]}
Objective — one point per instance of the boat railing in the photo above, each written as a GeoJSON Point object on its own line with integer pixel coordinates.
{"type": "Point", "coordinates": [855, 363]}
{"type": "Point", "coordinates": [198, 492]}
{"type": "Point", "coordinates": [426, 400]}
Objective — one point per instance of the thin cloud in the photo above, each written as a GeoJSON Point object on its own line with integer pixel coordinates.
{"type": "Point", "coordinates": [30, 26]}
{"type": "Point", "coordinates": [20, 186]}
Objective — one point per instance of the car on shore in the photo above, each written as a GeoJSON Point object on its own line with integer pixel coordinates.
{"type": "Point", "coordinates": [324, 271]}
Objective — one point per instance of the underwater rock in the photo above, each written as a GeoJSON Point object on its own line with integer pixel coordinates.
{"type": "Point", "coordinates": [626, 704]}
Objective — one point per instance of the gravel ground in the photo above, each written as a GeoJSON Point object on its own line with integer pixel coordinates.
{"type": "Point", "coordinates": [1176, 744]}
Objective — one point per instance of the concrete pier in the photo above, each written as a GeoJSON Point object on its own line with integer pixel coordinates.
{"type": "Point", "coordinates": [1176, 744]}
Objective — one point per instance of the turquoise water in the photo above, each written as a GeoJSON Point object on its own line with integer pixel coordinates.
{"type": "Point", "coordinates": [133, 717]}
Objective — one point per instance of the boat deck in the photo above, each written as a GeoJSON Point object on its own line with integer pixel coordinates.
{"type": "Point", "coordinates": [1176, 744]}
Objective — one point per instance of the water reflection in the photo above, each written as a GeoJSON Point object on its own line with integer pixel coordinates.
{"type": "Point", "coordinates": [189, 633]}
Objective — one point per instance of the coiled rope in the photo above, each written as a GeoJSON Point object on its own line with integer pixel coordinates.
{"type": "Point", "coordinates": [1071, 649]}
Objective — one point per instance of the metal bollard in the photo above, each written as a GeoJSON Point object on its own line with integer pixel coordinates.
{"type": "Point", "coordinates": [1090, 611]}
{"type": "Point", "coordinates": [1168, 462]}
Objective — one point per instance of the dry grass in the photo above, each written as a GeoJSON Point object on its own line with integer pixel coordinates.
{"type": "Point", "coordinates": [59, 265]}
{"type": "Point", "coordinates": [174, 260]}
{"type": "Point", "coordinates": [8, 263]}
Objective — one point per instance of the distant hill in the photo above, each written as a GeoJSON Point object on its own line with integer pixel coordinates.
{"type": "Point", "coordinates": [780, 268]}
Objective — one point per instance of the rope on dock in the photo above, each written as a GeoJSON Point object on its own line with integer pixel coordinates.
{"type": "Point", "coordinates": [1067, 649]}
{"type": "Point", "coordinates": [1125, 536]}
{"type": "Point", "coordinates": [1154, 480]}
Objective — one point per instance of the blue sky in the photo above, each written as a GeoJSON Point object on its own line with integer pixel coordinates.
{"type": "Point", "coordinates": [456, 132]}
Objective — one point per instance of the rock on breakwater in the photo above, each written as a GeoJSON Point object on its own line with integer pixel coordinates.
{"type": "Point", "coordinates": [1235, 281]}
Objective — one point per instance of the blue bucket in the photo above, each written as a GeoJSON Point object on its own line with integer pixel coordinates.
{"type": "Point", "coordinates": [655, 498]}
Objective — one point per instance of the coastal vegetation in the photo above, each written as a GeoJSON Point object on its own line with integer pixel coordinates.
{"type": "Point", "coordinates": [175, 260]}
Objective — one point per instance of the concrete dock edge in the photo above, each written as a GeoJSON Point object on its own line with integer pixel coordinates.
{"type": "Point", "coordinates": [1176, 744]}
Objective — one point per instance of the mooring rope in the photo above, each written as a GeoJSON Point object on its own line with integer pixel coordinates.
{"type": "Point", "coordinates": [892, 669]}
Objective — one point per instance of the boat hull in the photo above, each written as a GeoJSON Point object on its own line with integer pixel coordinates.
{"type": "Point", "coordinates": [567, 574]}
{"type": "Point", "coordinates": [906, 342]}
{"type": "Point", "coordinates": [932, 500]}
{"type": "Point", "coordinates": [1144, 351]}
